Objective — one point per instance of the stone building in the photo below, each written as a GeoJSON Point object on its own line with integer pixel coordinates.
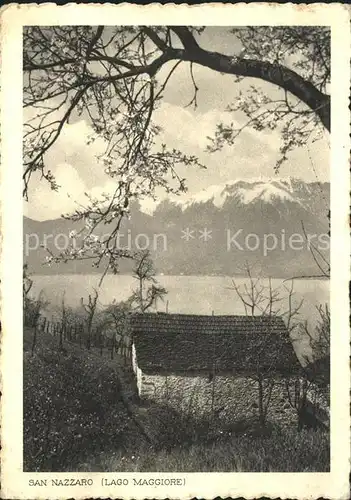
{"type": "Point", "coordinates": [215, 364]}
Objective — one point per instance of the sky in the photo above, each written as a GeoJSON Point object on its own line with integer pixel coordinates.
{"type": "Point", "coordinates": [254, 154]}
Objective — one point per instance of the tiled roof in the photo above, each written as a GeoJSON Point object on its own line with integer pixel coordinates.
{"type": "Point", "coordinates": [170, 343]}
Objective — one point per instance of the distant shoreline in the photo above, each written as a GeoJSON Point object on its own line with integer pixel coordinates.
{"type": "Point", "coordinates": [307, 278]}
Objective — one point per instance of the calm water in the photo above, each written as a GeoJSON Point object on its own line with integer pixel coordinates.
{"type": "Point", "coordinates": [186, 294]}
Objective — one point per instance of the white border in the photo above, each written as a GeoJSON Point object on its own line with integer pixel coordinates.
{"type": "Point", "coordinates": [333, 485]}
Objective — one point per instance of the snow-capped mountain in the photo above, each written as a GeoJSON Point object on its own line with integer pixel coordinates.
{"type": "Point", "coordinates": [240, 218]}
{"type": "Point", "coordinates": [268, 190]}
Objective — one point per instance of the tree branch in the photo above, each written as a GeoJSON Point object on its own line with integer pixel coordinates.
{"type": "Point", "coordinates": [186, 37]}
{"type": "Point", "coordinates": [160, 44]}
{"type": "Point", "coordinates": [276, 74]}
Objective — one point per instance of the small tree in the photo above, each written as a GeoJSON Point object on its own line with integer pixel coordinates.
{"type": "Point", "coordinates": [261, 299]}
{"type": "Point", "coordinates": [119, 313]}
{"type": "Point", "coordinates": [90, 309]}
{"type": "Point", "coordinates": [144, 297]}
{"type": "Point", "coordinates": [100, 336]}
{"type": "Point", "coordinates": [32, 308]}
{"type": "Point", "coordinates": [305, 395]}
{"type": "Point", "coordinates": [149, 291]}
{"type": "Point", "coordinates": [35, 307]}
{"type": "Point", "coordinates": [27, 284]}
{"type": "Point", "coordinates": [308, 391]}
{"type": "Point", "coordinates": [320, 341]}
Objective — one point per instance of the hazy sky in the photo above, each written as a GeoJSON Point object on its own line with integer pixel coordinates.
{"type": "Point", "coordinates": [254, 154]}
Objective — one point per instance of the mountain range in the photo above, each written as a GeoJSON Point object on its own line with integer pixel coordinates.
{"type": "Point", "coordinates": [214, 232]}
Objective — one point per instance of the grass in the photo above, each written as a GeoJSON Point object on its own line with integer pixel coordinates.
{"type": "Point", "coordinates": [75, 420]}
{"type": "Point", "coordinates": [306, 451]}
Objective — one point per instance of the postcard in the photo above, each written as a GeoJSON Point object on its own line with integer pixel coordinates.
{"type": "Point", "coordinates": [175, 251]}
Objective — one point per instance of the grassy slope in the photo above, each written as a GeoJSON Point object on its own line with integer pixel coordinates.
{"type": "Point", "coordinates": [75, 420]}
{"type": "Point", "coordinates": [72, 406]}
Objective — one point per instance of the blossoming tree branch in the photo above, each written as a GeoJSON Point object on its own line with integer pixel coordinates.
{"type": "Point", "coordinates": [111, 77]}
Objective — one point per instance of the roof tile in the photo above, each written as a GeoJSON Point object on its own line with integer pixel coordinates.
{"type": "Point", "coordinates": [172, 343]}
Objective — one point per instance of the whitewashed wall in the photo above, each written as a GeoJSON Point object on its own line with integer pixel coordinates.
{"type": "Point", "coordinates": [136, 369]}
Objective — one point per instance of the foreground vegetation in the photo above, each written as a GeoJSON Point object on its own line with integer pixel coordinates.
{"type": "Point", "coordinates": [282, 451]}
{"type": "Point", "coordinates": [72, 406]}
{"type": "Point", "coordinates": [75, 419]}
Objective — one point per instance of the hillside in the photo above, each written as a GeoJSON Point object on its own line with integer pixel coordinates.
{"type": "Point", "coordinates": [75, 411]}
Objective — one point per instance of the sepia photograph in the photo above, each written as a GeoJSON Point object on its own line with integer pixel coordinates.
{"type": "Point", "coordinates": [178, 249]}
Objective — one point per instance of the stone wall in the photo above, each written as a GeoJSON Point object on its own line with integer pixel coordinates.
{"type": "Point", "coordinates": [226, 397]}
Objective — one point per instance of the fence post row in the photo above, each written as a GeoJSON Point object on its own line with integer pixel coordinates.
{"type": "Point", "coordinates": [75, 333]}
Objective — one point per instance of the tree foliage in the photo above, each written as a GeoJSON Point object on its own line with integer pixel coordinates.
{"type": "Point", "coordinates": [295, 110]}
